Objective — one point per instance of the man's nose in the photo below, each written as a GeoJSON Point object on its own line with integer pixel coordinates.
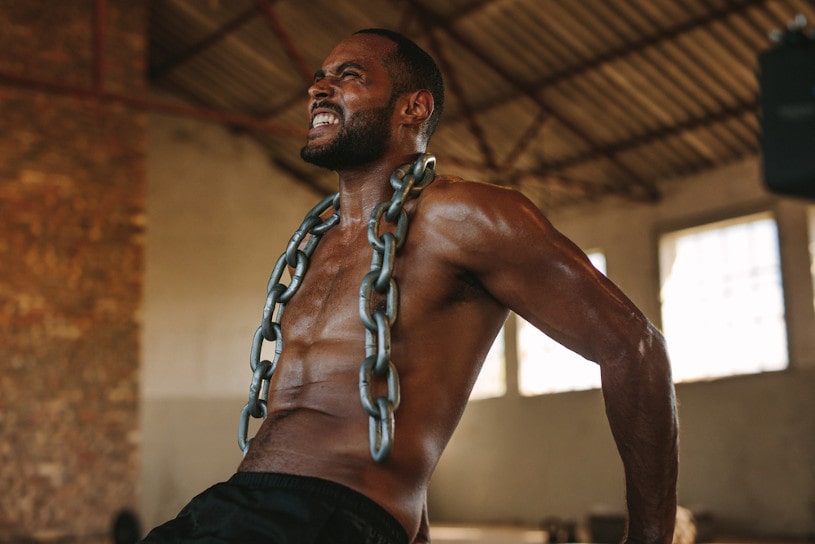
{"type": "Point", "coordinates": [321, 88]}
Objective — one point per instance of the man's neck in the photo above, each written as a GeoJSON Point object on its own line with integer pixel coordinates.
{"type": "Point", "coordinates": [362, 189]}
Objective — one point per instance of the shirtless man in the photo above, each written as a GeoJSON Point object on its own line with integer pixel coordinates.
{"type": "Point", "coordinates": [473, 252]}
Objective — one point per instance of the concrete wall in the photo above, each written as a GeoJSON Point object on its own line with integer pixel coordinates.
{"type": "Point", "coordinates": [218, 216]}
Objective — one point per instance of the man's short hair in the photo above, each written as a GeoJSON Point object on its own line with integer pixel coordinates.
{"type": "Point", "coordinates": [411, 68]}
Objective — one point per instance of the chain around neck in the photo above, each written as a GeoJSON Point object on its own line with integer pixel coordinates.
{"type": "Point", "coordinates": [407, 181]}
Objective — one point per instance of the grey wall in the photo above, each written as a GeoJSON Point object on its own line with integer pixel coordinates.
{"type": "Point", "coordinates": [746, 458]}
{"type": "Point", "coordinates": [218, 216]}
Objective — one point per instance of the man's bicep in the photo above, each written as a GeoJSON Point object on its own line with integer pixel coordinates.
{"type": "Point", "coordinates": [546, 279]}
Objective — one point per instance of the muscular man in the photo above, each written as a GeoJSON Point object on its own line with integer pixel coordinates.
{"type": "Point", "coordinates": [473, 252]}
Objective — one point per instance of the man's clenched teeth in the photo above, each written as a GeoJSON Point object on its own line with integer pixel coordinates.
{"type": "Point", "coordinates": [324, 119]}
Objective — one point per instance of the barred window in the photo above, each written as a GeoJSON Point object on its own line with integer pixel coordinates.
{"type": "Point", "coordinates": [722, 298]}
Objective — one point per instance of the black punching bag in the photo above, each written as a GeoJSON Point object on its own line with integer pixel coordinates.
{"type": "Point", "coordinates": [787, 88]}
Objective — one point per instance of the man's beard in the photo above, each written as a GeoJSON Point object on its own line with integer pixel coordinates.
{"type": "Point", "coordinates": [362, 140]}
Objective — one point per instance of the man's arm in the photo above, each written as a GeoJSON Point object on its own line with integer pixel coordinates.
{"type": "Point", "coordinates": [527, 265]}
{"type": "Point", "coordinates": [641, 409]}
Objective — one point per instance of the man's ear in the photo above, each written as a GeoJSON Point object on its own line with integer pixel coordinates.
{"type": "Point", "coordinates": [416, 107]}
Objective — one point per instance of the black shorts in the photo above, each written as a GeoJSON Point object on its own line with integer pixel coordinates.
{"type": "Point", "coordinates": [272, 508]}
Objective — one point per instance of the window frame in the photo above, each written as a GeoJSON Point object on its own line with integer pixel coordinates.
{"type": "Point", "coordinates": [700, 221]}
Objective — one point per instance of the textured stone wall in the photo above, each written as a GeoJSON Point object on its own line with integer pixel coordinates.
{"type": "Point", "coordinates": [72, 192]}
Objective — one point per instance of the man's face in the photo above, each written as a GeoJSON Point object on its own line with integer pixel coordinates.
{"type": "Point", "coordinates": [361, 139]}
{"type": "Point", "coordinates": [351, 105]}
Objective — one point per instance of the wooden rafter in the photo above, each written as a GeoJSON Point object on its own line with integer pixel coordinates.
{"type": "Point", "coordinates": [284, 37]}
{"type": "Point", "coordinates": [150, 105]}
{"type": "Point", "coordinates": [205, 43]}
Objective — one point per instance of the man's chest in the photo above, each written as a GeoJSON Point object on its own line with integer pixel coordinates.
{"type": "Point", "coordinates": [341, 283]}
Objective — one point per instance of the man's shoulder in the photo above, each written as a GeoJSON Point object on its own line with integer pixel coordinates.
{"type": "Point", "coordinates": [455, 190]}
{"type": "Point", "coordinates": [451, 182]}
{"type": "Point", "coordinates": [475, 213]}
{"type": "Point", "coordinates": [450, 196]}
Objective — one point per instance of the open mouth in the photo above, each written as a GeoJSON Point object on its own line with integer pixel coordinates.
{"type": "Point", "coordinates": [324, 119]}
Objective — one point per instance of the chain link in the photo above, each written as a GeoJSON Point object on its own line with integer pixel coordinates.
{"type": "Point", "coordinates": [278, 294]}
{"type": "Point", "coordinates": [407, 181]}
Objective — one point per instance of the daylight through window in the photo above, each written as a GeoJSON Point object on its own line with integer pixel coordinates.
{"type": "Point", "coordinates": [722, 299]}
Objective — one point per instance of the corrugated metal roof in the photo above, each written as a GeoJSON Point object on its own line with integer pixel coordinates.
{"type": "Point", "coordinates": [568, 100]}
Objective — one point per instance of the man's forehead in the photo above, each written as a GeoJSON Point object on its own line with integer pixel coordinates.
{"type": "Point", "coordinates": [361, 49]}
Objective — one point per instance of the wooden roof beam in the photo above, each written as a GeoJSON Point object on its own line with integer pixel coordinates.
{"type": "Point", "coordinates": [284, 37]}
{"type": "Point", "coordinates": [202, 45]}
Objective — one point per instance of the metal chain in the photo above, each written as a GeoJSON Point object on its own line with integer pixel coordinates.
{"type": "Point", "coordinates": [407, 181]}
{"type": "Point", "coordinates": [278, 294]}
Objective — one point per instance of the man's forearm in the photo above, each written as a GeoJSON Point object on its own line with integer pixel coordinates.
{"type": "Point", "coordinates": [641, 408]}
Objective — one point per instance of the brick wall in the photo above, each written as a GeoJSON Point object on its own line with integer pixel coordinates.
{"type": "Point", "coordinates": [72, 191]}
